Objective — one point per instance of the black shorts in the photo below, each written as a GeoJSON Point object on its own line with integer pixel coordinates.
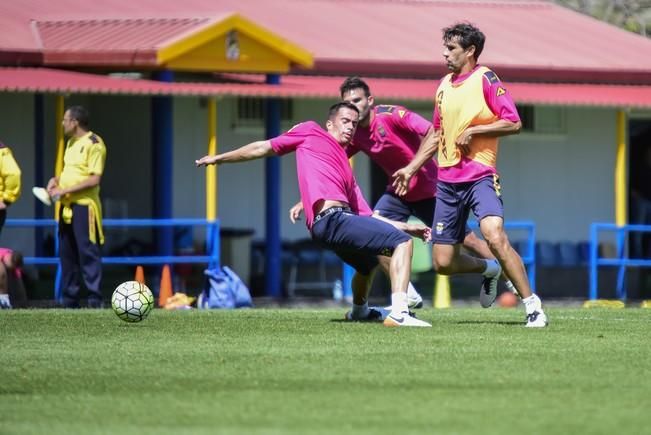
{"type": "Point", "coordinates": [357, 240]}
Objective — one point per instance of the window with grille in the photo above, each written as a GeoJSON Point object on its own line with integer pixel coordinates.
{"type": "Point", "coordinates": [251, 111]}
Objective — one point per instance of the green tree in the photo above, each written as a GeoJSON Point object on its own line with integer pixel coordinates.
{"type": "Point", "coordinates": [632, 15]}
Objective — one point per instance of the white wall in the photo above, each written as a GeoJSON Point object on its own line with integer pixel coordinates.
{"type": "Point", "coordinates": [563, 181]}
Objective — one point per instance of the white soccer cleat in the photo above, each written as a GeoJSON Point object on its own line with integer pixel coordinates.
{"type": "Point", "coordinates": [537, 319]}
{"type": "Point", "coordinates": [488, 291]}
{"type": "Point", "coordinates": [414, 300]}
{"type": "Point", "coordinates": [404, 319]}
{"type": "Point", "coordinates": [42, 195]}
{"type": "Point", "coordinates": [375, 314]}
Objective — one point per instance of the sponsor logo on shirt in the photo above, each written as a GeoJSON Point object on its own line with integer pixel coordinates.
{"type": "Point", "coordinates": [491, 77]}
{"type": "Point", "coordinates": [500, 91]}
{"type": "Point", "coordinates": [385, 109]}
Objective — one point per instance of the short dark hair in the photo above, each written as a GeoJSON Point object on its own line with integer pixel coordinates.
{"type": "Point", "coordinates": [468, 35]}
{"type": "Point", "coordinates": [354, 82]}
{"type": "Point", "coordinates": [335, 108]}
{"type": "Point", "coordinates": [79, 114]}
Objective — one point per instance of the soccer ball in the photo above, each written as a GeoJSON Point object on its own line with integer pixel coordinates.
{"type": "Point", "coordinates": [132, 301]}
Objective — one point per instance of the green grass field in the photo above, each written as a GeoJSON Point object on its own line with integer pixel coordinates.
{"type": "Point", "coordinates": [305, 371]}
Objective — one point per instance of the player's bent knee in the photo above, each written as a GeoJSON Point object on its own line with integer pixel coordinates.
{"type": "Point", "coordinates": [442, 263]}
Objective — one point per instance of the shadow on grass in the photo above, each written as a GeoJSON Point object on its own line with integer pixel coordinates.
{"type": "Point", "coordinates": [489, 322]}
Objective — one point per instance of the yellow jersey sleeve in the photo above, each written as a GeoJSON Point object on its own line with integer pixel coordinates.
{"type": "Point", "coordinates": [10, 185]}
{"type": "Point", "coordinates": [96, 158]}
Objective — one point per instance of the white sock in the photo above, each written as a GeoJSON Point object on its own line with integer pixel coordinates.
{"type": "Point", "coordinates": [532, 303]}
{"type": "Point", "coordinates": [360, 311]}
{"type": "Point", "coordinates": [511, 287]}
{"type": "Point", "coordinates": [492, 268]}
{"type": "Point", "coordinates": [5, 299]}
{"type": "Point", "coordinates": [399, 303]}
{"type": "Point", "coordinates": [411, 291]}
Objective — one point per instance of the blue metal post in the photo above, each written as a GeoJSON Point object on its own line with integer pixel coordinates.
{"type": "Point", "coordinates": [622, 255]}
{"type": "Point", "coordinates": [272, 205]}
{"type": "Point", "coordinates": [532, 251]}
{"type": "Point", "coordinates": [348, 272]}
{"type": "Point", "coordinates": [162, 157]}
{"type": "Point", "coordinates": [594, 245]}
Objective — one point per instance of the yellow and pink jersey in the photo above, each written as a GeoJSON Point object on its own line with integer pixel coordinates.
{"type": "Point", "coordinates": [475, 98]}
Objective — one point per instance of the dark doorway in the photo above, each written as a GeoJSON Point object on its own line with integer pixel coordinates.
{"type": "Point", "coordinates": [639, 199]}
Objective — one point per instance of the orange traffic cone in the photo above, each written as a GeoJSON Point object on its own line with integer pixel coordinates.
{"type": "Point", "coordinates": [165, 291]}
{"type": "Point", "coordinates": [140, 275]}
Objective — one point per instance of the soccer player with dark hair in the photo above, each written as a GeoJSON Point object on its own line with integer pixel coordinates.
{"type": "Point", "coordinates": [472, 110]}
{"type": "Point", "coordinates": [337, 215]}
{"type": "Point", "coordinates": [80, 215]}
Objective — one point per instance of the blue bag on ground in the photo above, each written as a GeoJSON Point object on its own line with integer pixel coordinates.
{"type": "Point", "coordinates": [224, 289]}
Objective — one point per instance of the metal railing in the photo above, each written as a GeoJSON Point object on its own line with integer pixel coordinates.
{"type": "Point", "coordinates": [621, 261]}
{"type": "Point", "coordinates": [212, 244]}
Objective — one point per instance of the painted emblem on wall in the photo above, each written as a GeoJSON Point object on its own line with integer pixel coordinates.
{"type": "Point", "coordinates": [232, 46]}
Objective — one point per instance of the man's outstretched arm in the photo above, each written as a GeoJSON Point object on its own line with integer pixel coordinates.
{"type": "Point", "coordinates": [252, 151]}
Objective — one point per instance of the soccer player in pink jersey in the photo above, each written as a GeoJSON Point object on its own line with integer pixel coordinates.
{"type": "Point", "coordinates": [472, 110]}
{"type": "Point", "coordinates": [337, 215]}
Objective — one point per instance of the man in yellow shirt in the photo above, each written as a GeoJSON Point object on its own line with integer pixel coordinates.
{"type": "Point", "coordinates": [80, 214]}
{"type": "Point", "coordinates": [9, 181]}
{"type": "Point", "coordinates": [472, 110]}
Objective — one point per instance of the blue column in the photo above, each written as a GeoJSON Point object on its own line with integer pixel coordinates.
{"type": "Point", "coordinates": [162, 132]}
{"type": "Point", "coordinates": [273, 264]}
{"type": "Point", "coordinates": [39, 168]}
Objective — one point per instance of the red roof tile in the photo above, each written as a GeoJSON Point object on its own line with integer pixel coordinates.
{"type": "Point", "coordinates": [526, 40]}
{"type": "Point", "coordinates": [41, 80]}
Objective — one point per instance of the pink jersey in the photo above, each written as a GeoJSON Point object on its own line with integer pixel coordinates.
{"type": "Point", "coordinates": [18, 272]}
{"type": "Point", "coordinates": [322, 168]}
{"type": "Point", "coordinates": [391, 141]}
{"type": "Point", "coordinates": [501, 104]}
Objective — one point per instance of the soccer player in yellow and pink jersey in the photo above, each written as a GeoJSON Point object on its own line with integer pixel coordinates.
{"type": "Point", "coordinates": [472, 110]}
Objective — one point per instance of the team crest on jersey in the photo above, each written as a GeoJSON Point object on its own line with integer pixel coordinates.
{"type": "Point", "coordinates": [385, 110]}
{"type": "Point", "coordinates": [381, 131]}
{"type": "Point", "coordinates": [500, 91]}
{"type": "Point", "coordinates": [439, 228]}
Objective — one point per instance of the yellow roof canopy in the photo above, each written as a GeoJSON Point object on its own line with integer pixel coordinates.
{"type": "Point", "coordinates": [232, 43]}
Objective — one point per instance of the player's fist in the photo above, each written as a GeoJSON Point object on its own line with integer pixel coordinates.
{"type": "Point", "coordinates": [206, 160]}
{"type": "Point", "coordinates": [295, 212]}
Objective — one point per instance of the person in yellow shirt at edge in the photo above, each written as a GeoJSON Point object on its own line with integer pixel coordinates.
{"type": "Point", "coordinates": [80, 211]}
{"type": "Point", "coordinates": [9, 181]}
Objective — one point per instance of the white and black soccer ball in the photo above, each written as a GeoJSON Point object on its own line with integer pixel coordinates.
{"type": "Point", "coordinates": [132, 301]}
